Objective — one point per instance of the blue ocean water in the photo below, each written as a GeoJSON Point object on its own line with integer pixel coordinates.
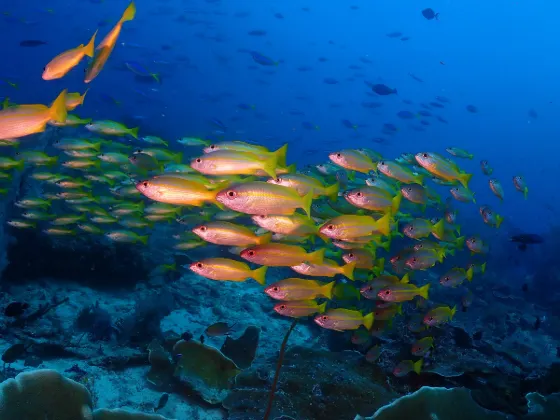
{"type": "Point", "coordinates": [480, 77]}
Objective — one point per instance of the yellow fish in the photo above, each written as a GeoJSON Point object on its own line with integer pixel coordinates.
{"type": "Point", "coordinates": [24, 120]}
{"type": "Point", "coordinates": [60, 65]}
{"type": "Point", "coordinates": [225, 269]}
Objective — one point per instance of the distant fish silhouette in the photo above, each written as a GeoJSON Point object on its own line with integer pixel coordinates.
{"type": "Point", "coordinates": [31, 43]}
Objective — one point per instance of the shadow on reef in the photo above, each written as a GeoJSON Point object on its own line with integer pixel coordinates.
{"type": "Point", "coordinates": [33, 255]}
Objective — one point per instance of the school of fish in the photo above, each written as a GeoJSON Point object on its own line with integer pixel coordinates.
{"type": "Point", "coordinates": [329, 224]}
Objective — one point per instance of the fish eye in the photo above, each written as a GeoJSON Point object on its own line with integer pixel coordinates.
{"type": "Point", "coordinates": [425, 155]}
{"type": "Point", "coordinates": [212, 146]}
{"type": "Point", "coordinates": [350, 255]}
{"type": "Point", "coordinates": [359, 194]}
{"type": "Point", "coordinates": [473, 240]}
{"type": "Point", "coordinates": [382, 163]}
{"type": "Point", "coordinates": [275, 288]}
{"type": "Point", "coordinates": [330, 227]}
{"type": "Point", "coordinates": [431, 318]}
{"type": "Point", "coordinates": [446, 278]}
{"type": "Point", "coordinates": [324, 318]}
{"type": "Point", "coordinates": [199, 265]}
{"type": "Point", "coordinates": [145, 184]}
{"type": "Point", "coordinates": [282, 306]}
{"type": "Point", "coordinates": [278, 180]}
{"type": "Point", "coordinates": [262, 216]}
{"type": "Point", "coordinates": [198, 160]}
{"type": "Point", "coordinates": [231, 194]}
{"type": "Point", "coordinates": [338, 155]}
{"type": "Point", "coordinates": [202, 228]}
{"type": "Point", "coordinates": [251, 253]}
{"type": "Point", "coordinates": [409, 189]}
{"type": "Point", "coordinates": [414, 259]}
{"type": "Point", "coordinates": [387, 292]}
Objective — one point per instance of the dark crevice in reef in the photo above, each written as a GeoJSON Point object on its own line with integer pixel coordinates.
{"type": "Point", "coordinates": [35, 255]}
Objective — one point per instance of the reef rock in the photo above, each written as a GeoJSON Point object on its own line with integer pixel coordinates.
{"type": "Point", "coordinates": [435, 403]}
{"type": "Point", "coordinates": [205, 369]}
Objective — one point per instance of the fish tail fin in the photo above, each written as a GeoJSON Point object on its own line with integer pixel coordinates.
{"type": "Point", "coordinates": [6, 103]}
{"type": "Point", "coordinates": [52, 161]}
{"type": "Point", "coordinates": [156, 77]}
{"type": "Point", "coordinates": [483, 268]}
{"type": "Point", "coordinates": [89, 49]}
{"type": "Point", "coordinates": [386, 245]}
{"type": "Point", "coordinates": [396, 203]}
{"type": "Point", "coordinates": [464, 179]}
{"type": "Point", "coordinates": [418, 366]}
{"type": "Point", "coordinates": [20, 165]}
{"type": "Point", "coordinates": [458, 229]}
{"type": "Point", "coordinates": [178, 158]}
{"type": "Point", "coordinates": [460, 242]}
{"type": "Point", "coordinates": [452, 314]}
{"type": "Point", "coordinates": [450, 252]}
{"type": "Point", "coordinates": [423, 291]}
{"type": "Point", "coordinates": [347, 270]}
{"type": "Point", "coordinates": [291, 168]}
{"type": "Point", "coordinates": [439, 228]}
{"type": "Point", "coordinates": [307, 199]}
{"type": "Point", "coordinates": [419, 179]}
{"type": "Point", "coordinates": [470, 273]}
{"type": "Point", "coordinates": [134, 132]}
{"type": "Point", "coordinates": [129, 13]}
{"type": "Point", "coordinates": [143, 239]}
{"type": "Point", "coordinates": [281, 155]}
{"type": "Point", "coordinates": [499, 220]}
{"type": "Point", "coordinates": [368, 321]}
{"type": "Point", "coordinates": [405, 279]}
{"type": "Point", "coordinates": [57, 111]}
{"type": "Point", "coordinates": [399, 309]}
{"type": "Point", "coordinates": [264, 239]}
{"type": "Point", "coordinates": [525, 192]}
{"type": "Point", "coordinates": [316, 257]}
{"type": "Point", "coordinates": [383, 225]}
{"type": "Point", "coordinates": [270, 166]}
{"type": "Point", "coordinates": [327, 289]}
{"type": "Point", "coordinates": [260, 275]}
{"type": "Point", "coordinates": [322, 307]}
{"type": "Point", "coordinates": [83, 96]}
{"type": "Point", "coordinates": [332, 191]}
{"type": "Point", "coordinates": [96, 146]}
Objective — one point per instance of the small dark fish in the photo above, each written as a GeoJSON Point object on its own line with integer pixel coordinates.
{"type": "Point", "coordinates": [14, 353]}
{"type": "Point", "coordinates": [257, 32]}
{"type": "Point", "coordinates": [187, 336]}
{"type": "Point", "coordinates": [262, 59]}
{"type": "Point", "coordinates": [330, 81]}
{"type": "Point", "coordinates": [537, 323]}
{"type": "Point", "coordinates": [216, 122]}
{"type": "Point", "coordinates": [15, 309]}
{"type": "Point", "coordinates": [405, 38]}
{"type": "Point", "coordinates": [527, 239]}
{"type": "Point", "coordinates": [405, 115]}
{"type": "Point", "coordinates": [379, 140]}
{"type": "Point", "coordinates": [383, 90]}
{"type": "Point", "coordinates": [533, 114]}
{"type": "Point", "coordinates": [162, 401]}
{"type": "Point", "coordinates": [218, 329]}
{"type": "Point", "coordinates": [436, 105]}
{"type": "Point", "coordinates": [31, 43]}
{"type": "Point", "coordinates": [372, 105]}
{"type": "Point", "coordinates": [416, 78]}
{"type": "Point", "coordinates": [323, 59]}
{"type": "Point", "coordinates": [424, 122]}
{"type": "Point", "coordinates": [472, 109]}
{"type": "Point", "coordinates": [442, 99]}
{"type": "Point", "coordinates": [202, 339]}
{"type": "Point", "coordinates": [525, 287]}
{"type": "Point", "coordinates": [390, 127]}
{"type": "Point", "coordinates": [425, 113]}
{"type": "Point", "coordinates": [442, 120]}
{"type": "Point", "coordinates": [395, 34]}
{"type": "Point", "coordinates": [278, 16]}
{"type": "Point", "coordinates": [430, 14]}
{"type": "Point", "coordinates": [304, 68]}
{"type": "Point", "coordinates": [477, 335]}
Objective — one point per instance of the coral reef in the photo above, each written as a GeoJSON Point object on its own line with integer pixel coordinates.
{"type": "Point", "coordinates": [435, 403]}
